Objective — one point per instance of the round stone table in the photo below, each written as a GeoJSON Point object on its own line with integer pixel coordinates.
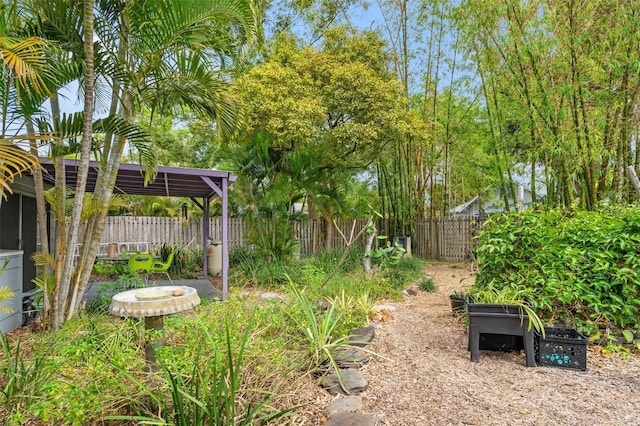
{"type": "Point", "coordinates": [153, 304]}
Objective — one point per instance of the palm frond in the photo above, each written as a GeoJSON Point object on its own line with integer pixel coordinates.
{"type": "Point", "coordinates": [43, 259]}
{"type": "Point", "coordinates": [5, 294]}
{"type": "Point", "coordinates": [51, 197]}
{"type": "Point", "coordinates": [25, 58]}
{"type": "Point", "coordinates": [136, 137]}
{"type": "Point", "coordinates": [161, 24]}
{"type": "Point", "coordinates": [91, 206]}
{"type": "Point", "coordinates": [13, 162]}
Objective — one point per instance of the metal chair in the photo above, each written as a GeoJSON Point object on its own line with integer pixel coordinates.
{"type": "Point", "coordinates": [163, 267]}
{"type": "Point", "coordinates": [141, 264]}
{"type": "Point", "coordinates": [104, 268]}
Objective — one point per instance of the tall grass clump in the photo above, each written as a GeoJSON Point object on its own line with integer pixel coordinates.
{"type": "Point", "coordinates": [245, 264]}
{"type": "Point", "coordinates": [67, 377]}
{"type": "Point", "coordinates": [325, 326]}
{"type": "Point", "coordinates": [405, 271]}
{"type": "Point", "coordinates": [258, 270]}
{"type": "Point", "coordinates": [22, 378]}
{"type": "Point", "coordinates": [204, 388]}
{"type": "Point", "coordinates": [274, 273]}
{"type": "Point", "coordinates": [327, 260]}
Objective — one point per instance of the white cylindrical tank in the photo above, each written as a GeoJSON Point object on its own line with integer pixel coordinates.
{"type": "Point", "coordinates": [214, 258]}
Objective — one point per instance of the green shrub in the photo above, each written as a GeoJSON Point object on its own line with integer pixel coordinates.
{"type": "Point", "coordinates": [427, 284]}
{"type": "Point", "coordinates": [405, 271]}
{"type": "Point", "coordinates": [579, 268]}
{"type": "Point", "coordinates": [326, 260]}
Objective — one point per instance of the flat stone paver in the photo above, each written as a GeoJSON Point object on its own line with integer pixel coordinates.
{"type": "Point", "coordinates": [351, 419]}
{"type": "Point", "coordinates": [352, 380]}
{"type": "Point", "coordinates": [348, 404]}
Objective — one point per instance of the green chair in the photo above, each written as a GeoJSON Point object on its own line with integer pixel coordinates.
{"type": "Point", "coordinates": [104, 268]}
{"type": "Point", "coordinates": [141, 264]}
{"type": "Point", "coordinates": [163, 267]}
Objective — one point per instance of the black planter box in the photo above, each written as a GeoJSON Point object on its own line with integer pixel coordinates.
{"type": "Point", "coordinates": [496, 319]}
{"type": "Point", "coordinates": [458, 304]}
{"type": "Point", "coordinates": [494, 309]}
{"type": "Point", "coordinates": [562, 348]}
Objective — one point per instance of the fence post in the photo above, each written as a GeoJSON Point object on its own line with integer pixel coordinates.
{"type": "Point", "coordinates": [434, 245]}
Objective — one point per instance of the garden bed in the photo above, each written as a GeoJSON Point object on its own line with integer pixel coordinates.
{"type": "Point", "coordinates": [428, 378]}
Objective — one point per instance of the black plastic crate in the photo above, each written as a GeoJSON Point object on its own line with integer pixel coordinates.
{"type": "Point", "coordinates": [562, 348]}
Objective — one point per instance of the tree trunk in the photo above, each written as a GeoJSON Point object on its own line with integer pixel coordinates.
{"type": "Point", "coordinates": [41, 209]}
{"type": "Point", "coordinates": [65, 308]}
{"type": "Point", "coordinates": [367, 247]}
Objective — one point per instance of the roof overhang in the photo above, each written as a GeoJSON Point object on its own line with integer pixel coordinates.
{"type": "Point", "coordinates": [169, 181]}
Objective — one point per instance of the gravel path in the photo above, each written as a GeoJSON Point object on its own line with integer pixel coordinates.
{"type": "Point", "coordinates": [430, 380]}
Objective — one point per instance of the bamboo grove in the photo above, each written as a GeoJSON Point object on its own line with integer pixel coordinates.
{"type": "Point", "coordinates": [560, 82]}
{"type": "Point", "coordinates": [508, 85]}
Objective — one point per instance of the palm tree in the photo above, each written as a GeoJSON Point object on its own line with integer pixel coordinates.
{"type": "Point", "coordinates": [162, 55]}
{"type": "Point", "coordinates": [24, 71]}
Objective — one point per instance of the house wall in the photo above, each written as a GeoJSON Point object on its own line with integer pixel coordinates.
{"type": "Point", "coordinates": [18, 227]}
{"type": "Point", "coordinates": [493, 203]}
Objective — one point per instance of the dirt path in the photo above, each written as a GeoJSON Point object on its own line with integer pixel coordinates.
{"type": "Point", "coordinates": [430, 380]}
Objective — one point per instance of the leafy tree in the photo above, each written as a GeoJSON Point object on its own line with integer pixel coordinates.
{"type": "Point", "coordinates": [317, 119]}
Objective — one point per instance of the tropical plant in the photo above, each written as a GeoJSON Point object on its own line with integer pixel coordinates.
{"type": "Point", "coordinates": [140, 42]}
{"type": "Point", "coordinates": [24, 377]}
{"type": "Point", "coordinates": [319, 331]}
{"type": "Point", "coordinates": [5, 292]}
{"type": "Point", "coordinates": [26, 75]}
{"type": "Point", "coordinates": [208, 393]}
{"type": "Point", "coordinates": [508, 297]}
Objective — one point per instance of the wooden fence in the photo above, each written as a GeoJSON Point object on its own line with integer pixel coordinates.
{"type": "Point", "coordinates": [444, 239]}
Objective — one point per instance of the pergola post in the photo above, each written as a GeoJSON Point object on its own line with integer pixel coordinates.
{"type": "Point", "coordinates": [205, 235]}
{"type": "Point", "coordinates": [225, 236]}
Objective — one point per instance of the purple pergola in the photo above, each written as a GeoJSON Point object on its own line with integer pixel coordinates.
{"type": "Point", "coordinates": [169, 182]}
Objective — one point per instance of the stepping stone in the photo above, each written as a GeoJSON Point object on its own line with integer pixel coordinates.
{"type": "Point", "coordinates": [352, 380]}
{"type": "Point", "coordinates": [351, 419]}
{"type": "Point", "coordinates": [271, 296]}
{"type": "Point", "coordinates": [350, 358]}
{"type": "Point", "coordinates": [390, 308]}
{"type": "Point", "coordinates": [411, 291]}
{"type": "Point", "coordinates": [348, 404]}
{"type": "Point", "coordinates": [361, 336]}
